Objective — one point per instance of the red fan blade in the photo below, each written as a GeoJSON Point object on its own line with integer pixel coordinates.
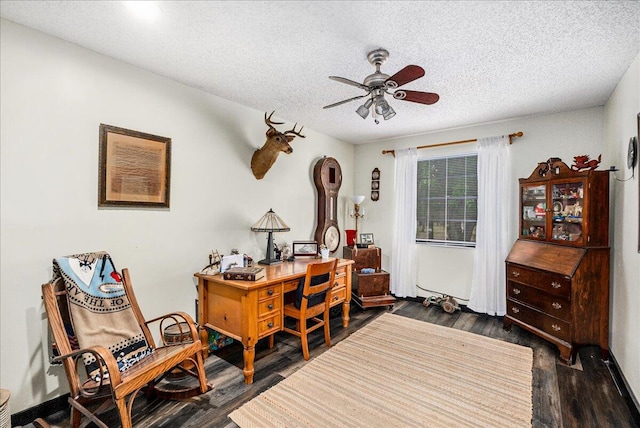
{"type": "Point", "coordinates": [416, 96]}
{"type": "Point", "coordinates": [406, 75]}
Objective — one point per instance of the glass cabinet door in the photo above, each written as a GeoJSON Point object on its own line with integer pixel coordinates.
{"type": "Point", "coordinates": [567, 204]}
{"type": "Point", "coordinates": [534, 210]}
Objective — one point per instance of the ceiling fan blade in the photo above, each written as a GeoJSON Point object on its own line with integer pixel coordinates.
{"type": "Point", "coordinates": [406, 75]}
{"type": "Point", "coordinates": [349, 82]}
{"type": "Point", "coordinates": [346, 101]}
{"type": "Point", "coordinates": [416, 96]}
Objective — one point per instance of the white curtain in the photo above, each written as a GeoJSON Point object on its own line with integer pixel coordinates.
{"type": "Point", "coordinates": [404, 270]}
{"type": "Point", "coordinates": [492, 234]}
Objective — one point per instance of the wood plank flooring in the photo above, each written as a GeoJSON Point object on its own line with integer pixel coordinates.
{"type": "Point", "coordinates": [584, 395]}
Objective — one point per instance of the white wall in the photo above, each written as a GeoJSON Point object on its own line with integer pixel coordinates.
{"type": "Point", "coordinates": [449, 270]}
{"type": "Point", "coordinates": [620, 125]}
{"type": "Point", "coordinates": [54, 97]}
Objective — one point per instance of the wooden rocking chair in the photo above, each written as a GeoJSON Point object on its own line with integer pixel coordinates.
{"type": "Point", "coordinates": [121, 387]}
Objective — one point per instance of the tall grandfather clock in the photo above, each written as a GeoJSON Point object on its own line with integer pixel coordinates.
{"type": "Point", "coordinates": [327, 176]}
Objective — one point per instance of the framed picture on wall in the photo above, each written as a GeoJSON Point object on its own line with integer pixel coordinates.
{"type": "Point", "coordinates": [134, 168]}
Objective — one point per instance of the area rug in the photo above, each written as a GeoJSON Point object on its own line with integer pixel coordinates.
{"type": "Point", "coordinates": [401, 372]}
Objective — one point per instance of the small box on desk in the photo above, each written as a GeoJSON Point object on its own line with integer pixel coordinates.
{"type": "Point", "coordinates": [371, 289]}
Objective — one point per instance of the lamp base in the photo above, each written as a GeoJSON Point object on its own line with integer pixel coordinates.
{"type": "Point", "coordinates": [269, 261]}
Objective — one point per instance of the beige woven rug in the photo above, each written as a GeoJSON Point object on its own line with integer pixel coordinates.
{"type": "Point", "coordinates": [400, 372]}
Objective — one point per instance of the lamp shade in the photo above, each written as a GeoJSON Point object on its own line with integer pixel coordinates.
{"type": "Point", "coordinates": [357, 199]}
{"type": "Point", "coordinates": [270, 222]}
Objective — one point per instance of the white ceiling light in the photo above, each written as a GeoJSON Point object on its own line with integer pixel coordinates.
{"type": "Point", "coordinates": [145, 10]}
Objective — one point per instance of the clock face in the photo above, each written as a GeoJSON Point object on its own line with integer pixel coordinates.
{"type": "Point", "coordinates": [332, 238]}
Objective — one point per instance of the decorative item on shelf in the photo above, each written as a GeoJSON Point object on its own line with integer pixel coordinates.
{"type": "Point", "coordinates": [214, 264]}
{"type": "Point", "coordinates": [324, 252]}
{"type": "Point", "coordinates": [270, 223]}
{"type": "Point", "coordinates": [357, 212]}
{"type": "Point", "coordinates": [375, 184]}
{"type": "Point", "coordinates": [351, 237]}
{"type": "Point", "coordinates": [264, 158]}
{"type": "Point", "coordinates": [583, 162]}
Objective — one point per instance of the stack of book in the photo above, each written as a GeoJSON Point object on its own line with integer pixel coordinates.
{"type": "Point", "coordinates": [244, 273]}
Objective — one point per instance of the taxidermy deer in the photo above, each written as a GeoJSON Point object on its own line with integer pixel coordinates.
{"type": "Point", "coordinates": [277, 142]}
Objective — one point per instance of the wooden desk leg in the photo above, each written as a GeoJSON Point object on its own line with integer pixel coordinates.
{"type": "Point", "coordinates": [249, 355]}
{"type": "Point", "coordinates": [346, 306]}
{"type": "Point", "coordinates": [272, 341]}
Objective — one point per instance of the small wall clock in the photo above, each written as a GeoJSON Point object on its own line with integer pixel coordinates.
{"type": "Point", "coordinates": [327, 176]}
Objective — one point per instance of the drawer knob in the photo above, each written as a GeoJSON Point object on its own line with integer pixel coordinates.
{"type": "Point", "coordinates": [515, 273]}
{"type": "Point", "coordinates": [269, 324]}
{"type": "Point", "coordinates": [270, 292]}
{"type": "Point", "coordinates": [555, 284]}
{"type": "Point", "coordinates": [556, 327]}
{"type": "Point", "coordinates": [335, 297]}
{"type": "Point", "coordinates": [270, 306]}
{"type": "Point", "coordinates": [556, 305]}
{"type": "Point", "coordinates": [515, 310]}
{"type": "Point", "coordinates": [516, 291]}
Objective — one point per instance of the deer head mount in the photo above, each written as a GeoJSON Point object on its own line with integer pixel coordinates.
{"type": "Point", "coordinates": [277, 142]}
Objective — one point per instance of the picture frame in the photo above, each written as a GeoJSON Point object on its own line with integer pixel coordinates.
{"type": "Point", "coordinates": [366, 238]}
{"type": "Point", "coordinates": [134, 168]}
{"type": "Point", "coordinates": [305, 249]}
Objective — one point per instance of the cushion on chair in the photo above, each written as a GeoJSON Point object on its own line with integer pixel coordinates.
{"type": "Point", "coordinates": [314, 299]}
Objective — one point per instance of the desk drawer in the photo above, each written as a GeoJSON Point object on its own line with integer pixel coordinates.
{"type": "Point", "coordinates": [338, 295]}
{"type": "Point", "coordinates": [556, 306]}
{"type": "Point", "coordinates": [271, 291]}
{"type": "Point", "coordinates": [270, 305]}
{"type": "Point", "coordinates": [553, 326]}
{"type": "Point", "coordinates": [269, 325]}
{"type": "Point", "coordinates": [554, 284]}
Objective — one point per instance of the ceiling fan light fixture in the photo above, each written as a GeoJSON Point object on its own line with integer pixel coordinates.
{"type": "Point", "coordinates": [389, 114]}
{"type": "Point", "coordinates": [363, 110]}
{"type": "Point", "coordinates": [382, 106]}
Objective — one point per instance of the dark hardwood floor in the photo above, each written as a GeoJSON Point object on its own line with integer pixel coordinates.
{"type": "Point", "coordinates": [584, 395]}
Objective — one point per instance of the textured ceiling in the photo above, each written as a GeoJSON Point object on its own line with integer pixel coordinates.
{"type": "Point", "coordinates": [488, 60]}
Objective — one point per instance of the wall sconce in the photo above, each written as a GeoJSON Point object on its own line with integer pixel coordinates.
{"type": "Point", "coordinates": [357, 213]}
{"type": "Point", "coordinates": [270, 222]}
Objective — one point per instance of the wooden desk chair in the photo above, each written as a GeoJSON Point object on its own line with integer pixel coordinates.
{"type": "Point", "coordinates": [312, 299]}
{"type": "Point", "coordinates": [117, 386]}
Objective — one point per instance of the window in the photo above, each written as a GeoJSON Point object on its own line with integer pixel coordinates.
{"type": "Point", "coordinates": [448, 200]}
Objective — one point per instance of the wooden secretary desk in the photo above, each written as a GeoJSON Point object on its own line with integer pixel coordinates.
{"type": "Point", "coordinates": [252, 310]}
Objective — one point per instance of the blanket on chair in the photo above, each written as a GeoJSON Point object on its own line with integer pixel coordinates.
{"type": "Point", "coordinates": [100, 311]}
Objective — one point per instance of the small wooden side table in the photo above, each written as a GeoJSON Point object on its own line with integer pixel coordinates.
{"type": "Point", "coordinates": [369, 289]}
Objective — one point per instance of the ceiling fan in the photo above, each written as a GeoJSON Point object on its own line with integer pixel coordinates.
{"type": "Point", "coordinates": [378, 84]}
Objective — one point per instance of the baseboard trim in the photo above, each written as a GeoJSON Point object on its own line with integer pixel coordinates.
{"type": "Point", "coordinates": [40, 411]}
{"type": "Point", "coordinates": [623, 388]}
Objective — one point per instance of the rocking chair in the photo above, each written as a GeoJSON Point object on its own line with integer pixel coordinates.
{"type": "Point", "coordinates": [117, 385]}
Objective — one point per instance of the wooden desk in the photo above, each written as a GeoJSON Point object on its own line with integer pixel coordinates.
{"type": "Point", "coordinates": [251, 310]}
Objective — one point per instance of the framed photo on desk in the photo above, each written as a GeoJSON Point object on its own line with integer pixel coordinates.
{"type": "Point", "coordinates": [305, 249]}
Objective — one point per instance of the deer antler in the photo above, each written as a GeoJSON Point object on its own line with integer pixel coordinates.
{"type": "Point", "coordinates": [268, 121]}
{"type": "Point", "coordinates": [293, 131]}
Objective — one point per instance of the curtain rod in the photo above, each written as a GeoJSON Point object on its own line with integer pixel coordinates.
{"type": "Point", "coordinates": [511, 137]}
